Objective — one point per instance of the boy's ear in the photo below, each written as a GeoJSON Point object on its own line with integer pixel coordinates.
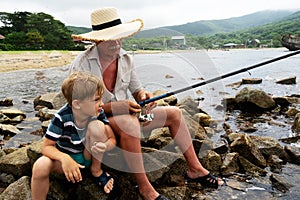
{"type": "Point", "coordinates": [75, 104]}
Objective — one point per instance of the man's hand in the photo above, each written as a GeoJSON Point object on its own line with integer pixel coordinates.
{"type": "Point", "coordinates": [144, 95]}
{"type": "Point", "coordinates": [125, 107]}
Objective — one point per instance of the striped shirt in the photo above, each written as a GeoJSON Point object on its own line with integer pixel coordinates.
{"type": "Point", "coordinates": [62, 129]}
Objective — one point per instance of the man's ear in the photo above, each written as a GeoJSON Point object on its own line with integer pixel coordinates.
{"type": "Point", "coordinates": [76, 104]}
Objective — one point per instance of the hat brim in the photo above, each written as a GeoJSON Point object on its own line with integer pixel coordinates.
{"type": "Point", "coordinates": [113, 33]}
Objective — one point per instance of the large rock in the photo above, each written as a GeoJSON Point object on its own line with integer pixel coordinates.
{"type": "Point", "coordinates": [246, 148]}
{"type": "Point", "coordinates": [268, 147]}
{"type": "Point", "coordinates": [248, 97]}
{"type": "Point", "coordinates": [17, 190]}
{"type": "Point", "coordinates": [53, 100]}
{"type": "Point", "coordinates": [16, 163]}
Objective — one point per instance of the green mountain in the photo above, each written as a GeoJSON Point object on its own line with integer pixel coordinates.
{"type": "Point", "coordinates": [210, 27]}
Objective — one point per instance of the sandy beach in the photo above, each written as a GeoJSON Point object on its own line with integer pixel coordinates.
{"type": "Point", "coordinates": [19, 60]}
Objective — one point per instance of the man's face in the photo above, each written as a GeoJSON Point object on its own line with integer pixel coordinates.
{"type": "Point", "coordinates": [111, 47]}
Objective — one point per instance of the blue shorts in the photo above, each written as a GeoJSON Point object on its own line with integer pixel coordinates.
{"type": "Point", "coordinates": [80, 159]}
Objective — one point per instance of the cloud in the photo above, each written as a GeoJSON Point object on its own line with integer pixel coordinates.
{"type": "Point", "coordinates": [155, 13]}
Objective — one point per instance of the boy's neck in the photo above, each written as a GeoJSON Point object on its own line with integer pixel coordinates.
{"type": "Point", "coordinates": [79, 120]}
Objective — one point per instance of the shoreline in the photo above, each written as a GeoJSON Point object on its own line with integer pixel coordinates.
{"type": "Point", "coordinates": [22, 60]}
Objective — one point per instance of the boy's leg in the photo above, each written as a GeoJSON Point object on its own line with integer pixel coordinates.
{"type": "Point", "coordinates": [40, 176]}
{"type": "Point", "coordinates": [96, 134]}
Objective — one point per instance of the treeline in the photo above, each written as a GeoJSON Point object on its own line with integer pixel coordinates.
{"type": "Point", "coordinates": [34, 31]}
{"type": "Point", "coordinates": [40, 31]}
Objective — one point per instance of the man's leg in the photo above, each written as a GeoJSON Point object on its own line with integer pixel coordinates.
{"type": "Point", "coordinates": [172, 117]}
{"type": "Point", "coordinates": [128, 129]}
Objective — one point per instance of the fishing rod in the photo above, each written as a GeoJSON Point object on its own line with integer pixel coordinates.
{"type": "Point", "coordinates": [143, 103]}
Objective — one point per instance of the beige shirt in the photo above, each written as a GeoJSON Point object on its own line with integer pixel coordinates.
{"type": "Point", "coordinates": [127, 80]}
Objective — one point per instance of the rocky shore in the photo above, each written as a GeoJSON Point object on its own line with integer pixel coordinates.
{"type": "Point", "coordinates": [249, 162]}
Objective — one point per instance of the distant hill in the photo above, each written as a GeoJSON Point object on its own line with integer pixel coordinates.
{"type": "Point", "coordinates": [210, 27]}
{"type": "Point", "coordinates": [78, 30]}
{"type": "Point", "coordinates": [289, 24]}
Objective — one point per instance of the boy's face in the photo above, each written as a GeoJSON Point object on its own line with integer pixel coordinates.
{"type": "Point", "coordinates": [92, 106]}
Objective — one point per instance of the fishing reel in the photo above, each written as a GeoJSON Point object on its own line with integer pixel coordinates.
{"type": "Point", "coordinates": [146, 117]}
{"type": "Point", "coordinates": [143, 116]}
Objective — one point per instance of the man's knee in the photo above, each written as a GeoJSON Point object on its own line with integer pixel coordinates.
{"type": "Point", "coordinates": [126, 125]}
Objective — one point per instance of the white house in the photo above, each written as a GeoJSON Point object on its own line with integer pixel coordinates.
{"type": "Point", "coordinates": [178, 40]}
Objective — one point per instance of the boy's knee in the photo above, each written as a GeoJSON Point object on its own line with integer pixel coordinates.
{"type": "Point", "coordinates": [94, 127]}
{"type": "Point", "coordinates": [41, 165]}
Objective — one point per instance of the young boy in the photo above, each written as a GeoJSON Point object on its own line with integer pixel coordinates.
{"type": "Point", "coordinates": [75, 139]}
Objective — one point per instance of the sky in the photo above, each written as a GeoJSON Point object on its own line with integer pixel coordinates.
{"type": "Point", "coordinates": [154, 13]}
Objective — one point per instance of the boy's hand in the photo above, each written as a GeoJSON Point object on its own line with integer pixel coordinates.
{"type": "Point", "coordinates": [71, 169]}
{"type": "Point", "coordinates": [98, 147]}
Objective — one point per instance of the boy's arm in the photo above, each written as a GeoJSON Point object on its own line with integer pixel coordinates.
{"type": "Point", "coordinates": [69, 166]}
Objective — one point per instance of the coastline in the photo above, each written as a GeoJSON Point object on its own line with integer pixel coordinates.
{"type": "Point", "coordinates": [20, 60]}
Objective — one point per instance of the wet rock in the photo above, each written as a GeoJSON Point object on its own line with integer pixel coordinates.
{"type": "Point", "coordinates": [168, 76]}
{"type": "Point", "coordinates": [275, 163]}
{"type": "Point", "coordinates": [280, 183]}
{"type": "Point", "coordinates": [247, 97]}
{"type": "Point", "coordinates": [6, 129]}
{"type": "Point", "coordinates": [287, 81]}
{"type": "Point", "coordinates": [251, 80]}
{"type": "Point", "coordinates": [268, 146]}
{"type": "Point", "coordinates": [6, 102]}
{"type": "Point", "coordinates": [230, 164]}
{"type": "Point", "coordinates": [292, 112]}
{"type": "Point", "coordinates": [4, 119]}
{"type": "Point", "coordinates": [250, 168]}
{"type": "Point", "coordinates": [12, 113]}
{"type": "Point", "coordinates": [221, 146]}
{"type": "Point", "coordinates": [171, 100]}
{"type": "Point", "coordinates": [213, 162]}
{"type": "Point", "coordinates": [247, 127]}
{"type": "Point", "coordinates": [190, 106]}
{"type": "Point", "coordinates": [296, 124]}
{"type": "Point", "coordinates": [46, 114]}
{"type": "Point", "coordinates": [246, 148]}
{"type": "Point", "coordinates": [289, 140]}
{"type": "Point", "coordinates": [203, 119]}
{"type": "Point", "coordinates": [294, 153]}
{"type": "Point", "coordinates": [229, 103]}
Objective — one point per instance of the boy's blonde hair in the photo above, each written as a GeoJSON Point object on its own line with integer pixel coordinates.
{"type": "Point", "coordinates": [81, 85]}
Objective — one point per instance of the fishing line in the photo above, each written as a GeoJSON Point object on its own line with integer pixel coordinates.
{"type": "Point", "coordinates": [246, 69]}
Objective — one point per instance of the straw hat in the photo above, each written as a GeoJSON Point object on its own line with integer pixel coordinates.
{"type": "Point", "coordinates": [107, 25]}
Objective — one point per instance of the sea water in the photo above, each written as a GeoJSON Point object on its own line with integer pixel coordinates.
{"type": "Point", "coordinates": [170, 71]}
